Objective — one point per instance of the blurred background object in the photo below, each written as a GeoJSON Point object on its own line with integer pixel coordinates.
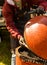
{"type": "Point", "coordinates": [2, 2]}
{"type": "Point", "coordinates": [5, 55]}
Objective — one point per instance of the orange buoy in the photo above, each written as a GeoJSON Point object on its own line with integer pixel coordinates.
{"type": "Point", "coordinates": [35, 35]}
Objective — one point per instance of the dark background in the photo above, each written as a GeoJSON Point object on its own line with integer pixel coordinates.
{"type": "Point", "coordinates": [2, 2]}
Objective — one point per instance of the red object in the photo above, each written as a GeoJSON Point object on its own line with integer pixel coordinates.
{"type": "Point", "coordinates": [8, 13]}
{"type": "Point", "coordinates": [35, 35]}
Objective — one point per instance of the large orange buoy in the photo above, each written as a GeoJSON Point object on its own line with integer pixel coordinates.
{"type": "Point", "coordinates": [35, 35]}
